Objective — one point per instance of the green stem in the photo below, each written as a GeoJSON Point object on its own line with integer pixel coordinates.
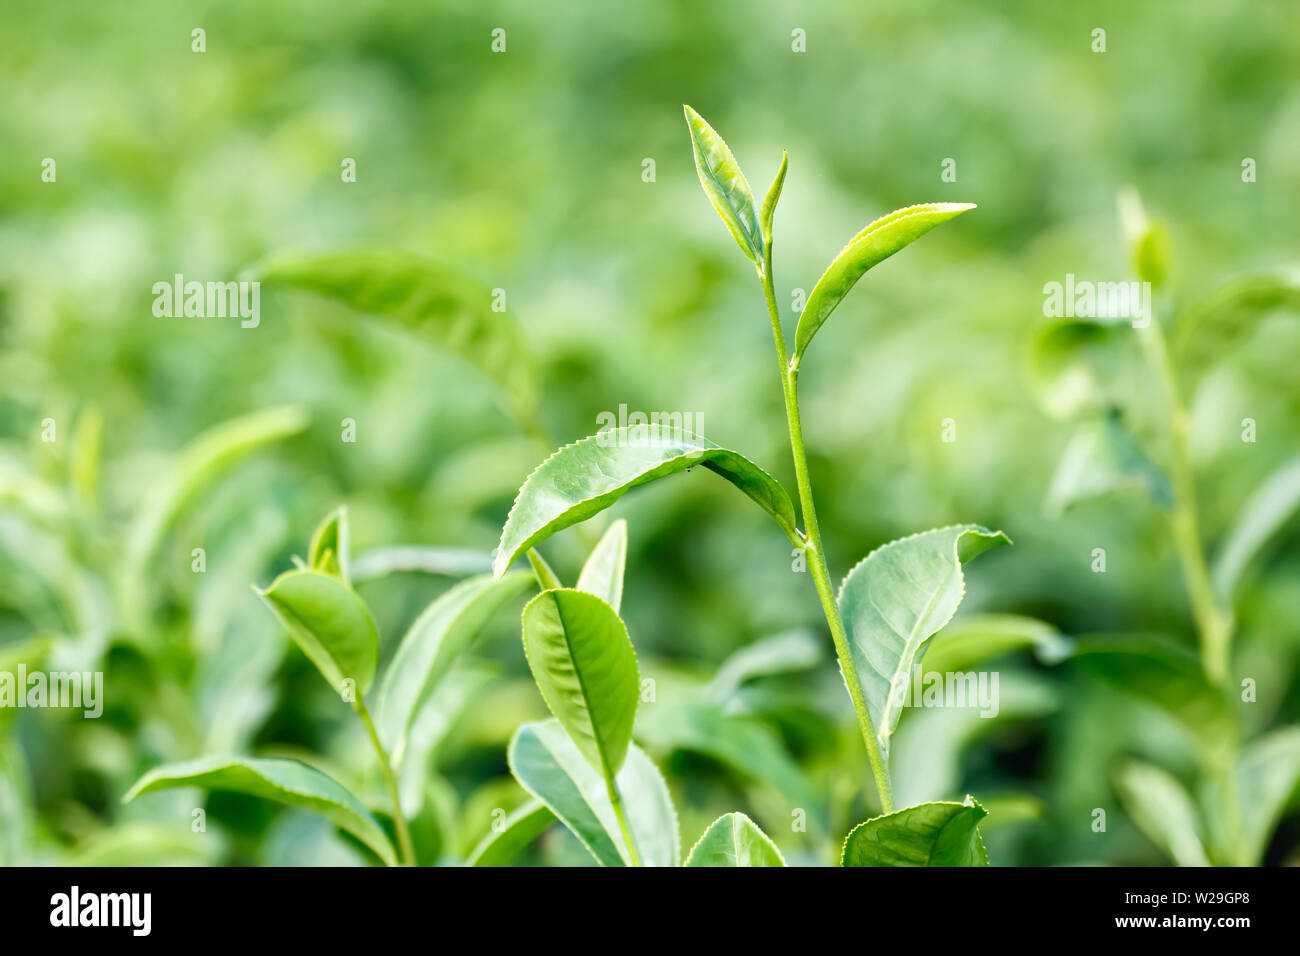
{"type": "Point", "coordinates": [813, 543]}
{"type": "Point", "coordinates": [1213, 625]}
{"type": "Point", "coordinates": [390, 780]}
{"type": "Point", "coordinates": [616, 799]}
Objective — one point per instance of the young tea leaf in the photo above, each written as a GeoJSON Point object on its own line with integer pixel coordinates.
{"type": "Point", "coordinates": [330, 624]}
{"type": "Point", "coordinates": [1163, 810]}
{"type": "Point", "coordinates": [328, 552]}
{"type": "Point", "coordinates": [928, 834]}
{"type": "Point", "coordinates": [547, 579]}
{"type": "Point", "coordinates": [285, 781]}
{"type": "Point", "coordinates": [432, 301]}
{"type": "Point", "coordinates": [583, 479]}
{"type": "Point", "coordinates": [770, 200]}
{"type": "Point", "coordinates": [734, 840]}
{"type": "Point", "coordinates": [583, 662]}
{"type": "Point", "coordinates": [548, 764]}
{"type": "Point", "coordinates": [877, 242]}
{"type": "Point", "coordinates": [453, 562]}
{"type": "Point", "coordinates": [520, 828]}
{"type": "Point", "coordinates": [433, 643]}
{"type": "Point", "coordinates": [602, 575]}
{"type": "Point", "coordinates": [895, 600]}
{"type": "Point", "coordinates": [725, 185]}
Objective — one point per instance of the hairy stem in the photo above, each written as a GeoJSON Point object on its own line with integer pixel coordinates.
{"type": "Point", "coordinates": [390, 780]}
{"type": "Point", "coordinates": [812, 544]}
{"type": "Point", "coordinates": [617, 800]}
{"type": "Point", "coordinates": [1213, 624]}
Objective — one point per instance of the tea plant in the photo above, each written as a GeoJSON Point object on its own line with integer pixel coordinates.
{"type": "Point", "coordinates": [1241, 789]}
{"type": "Point", "coordinates": [895, 600]}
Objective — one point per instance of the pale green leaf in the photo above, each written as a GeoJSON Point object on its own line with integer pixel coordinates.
{"type": "Point", "coordinates": [1072, 363]}
{"type": "Point", "coordinates": [895, 600]}
{"type": "Point", "coordinates": [1263, 514]}
{"type": "Point", "coordinates": [547, 579]}
{"type": "Point", "coordinates": [773, 196]}
{"type": "Point", "coordinates": [602, 574]}
{"type": "Point", "coordinates": [328, 551]}
{"type": "Point", "coordinates": [285, 781]}
{"type": "Point", "coordinates": [782, 653]}
{"type": "Point", "coordinates": [734, 840]}
{"type": "Point", "coordinates": [586, 477]}
{"type": "Point", "coordinates": [976, 638]}
{"type": "Point", "coordinates": [434, 641]}
{"type": "Point", "coordinates": [1163, 810]}
{"type": "Point", "coordinates": [519, 828]}
{"type": "Point", "coordinates": [725, 185]}
{"type": "Point", "coordinates": [548, 764]}
{"type": "Point", "coordinates": [928, 834]}
{"type": "Point", "coordinates": [1210, 329]}
{"type": "Point", "coordinates": [330, 623]}
{"type": "Point", "coordinates": [1265, 778]}
{"type": "Point", "coordinates": [877, 242]}
{"type": "Point", "coordinates": [584, 664]}
{"type": "Point", "coordinates": [432, 301]}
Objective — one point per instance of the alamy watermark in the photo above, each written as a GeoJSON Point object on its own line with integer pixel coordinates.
{"type": "Point", "coordinates": [637, 429]}
{"type": "Point", "coordinates": [953, 689]}
{"type": "Point", "coordinates": [1084, 299]}
{"type": "Point", "coordinates": [210, 300]}
{"type": "Point", "coordinates": [82, 690]}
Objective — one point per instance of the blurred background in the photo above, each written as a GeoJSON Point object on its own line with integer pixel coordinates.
{"type": "Point", "coordinates": [525, 170]}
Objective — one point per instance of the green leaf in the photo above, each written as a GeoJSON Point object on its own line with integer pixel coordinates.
{"type": "Point", "coordinates": [453, 562]}
{"type": "Point", "coordinates": [895, 600]}
{"type": "Point", "coordinates": [584, 664]}
{"type": "Point", "coordinates": [518, 829]}
{"type": "Point", "coordinates": [1266, 511]}
{"type": "Point", "coordinates": [548, 764]}
{"type": "Point", "coordinates": [1103, 457]}
{"type": "Point", "coordinates": [976, 638]}
{"type": "Point", "coordinates": [1163, 810]}
{"type": "Point", "coordinates": [770, 200]}
{"type": "Point", "coordinates": [201, 461]}
{"type": "Point", "coordinates": [1211, 329]}
{"type": "Point", "coordinates": [602, 575]}
{"type": "Point", "coordinates": [586, 477]}
{"type": "Point", "coordinates": [328, 552]}
{"type": "Point", "coordinates": [285, 781]}
{"type": "Point", "coordinates": [547, 579]}
{"type": "Point", "coordinates": [928, 834]}
{"type": "Point", "coordinates": [1167, 677]}
{"type": "Point", "coordinates": [1265, 777]}
{"type": "Point", "coordinates": [725, 185]}
{"type": "Point", "coordinates": [330, 623]}
{"type": "Point", "coordinates": [1148, 242]}
{"type": "Point", "coordinates": [432, 301]}
{"type": "Point", "coordinates": [734, 840]}
{"type": "Point", "coordinates": [877, 242]}
{"type": "Point", "coordinates": [442, 632]}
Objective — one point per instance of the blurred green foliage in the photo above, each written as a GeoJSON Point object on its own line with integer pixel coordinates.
{"type": "Point", "coordinates": [523, 170]}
